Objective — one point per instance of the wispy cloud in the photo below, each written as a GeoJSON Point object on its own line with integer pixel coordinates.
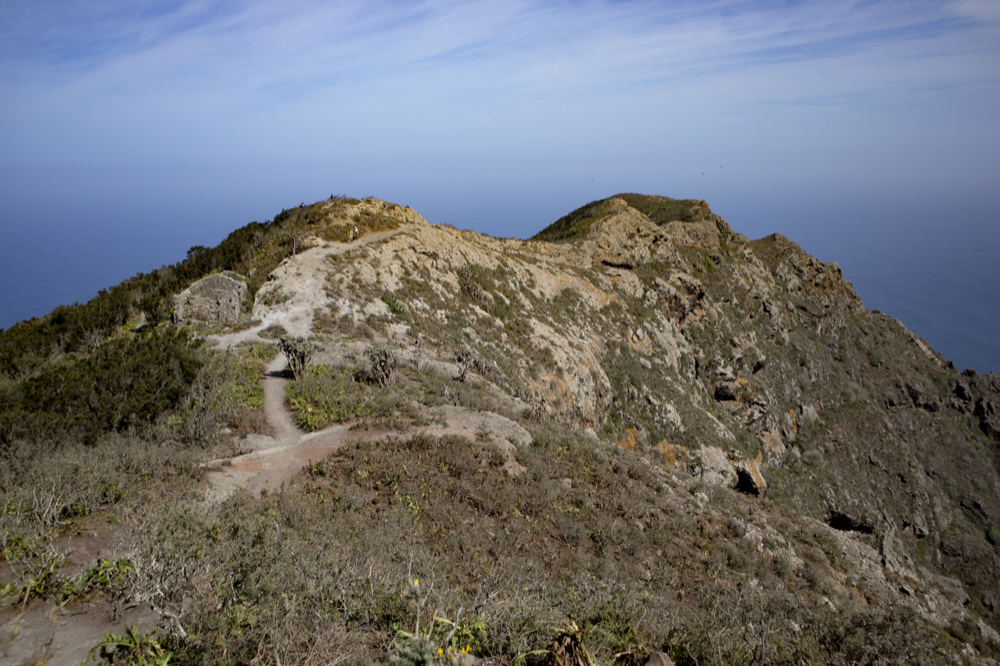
{"type": "Point", "coordinates": [239, 45]}
{"type": "Point", "coordinates": [199, 78]}
{"type": "Point", "coordinates": [192, 116]}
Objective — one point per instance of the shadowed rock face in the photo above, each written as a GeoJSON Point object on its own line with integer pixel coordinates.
{"type": "Point", "coordinates": [215, 299]}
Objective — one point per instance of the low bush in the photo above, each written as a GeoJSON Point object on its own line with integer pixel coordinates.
{"type": "Point", "coordinates": [329, 395]}
{"type": "Point", "coordinates": [383, 365]}
{"type": "Point", "coordinates": [253, 250]}
{"type": "Point", "coordinates": [422, 548]}
{"type": "Point", "coordinates": [273, 332]}
{"type": "Point", "coordinates": [298, 351]}
{"type": "Point", "coordinates": [126, 382]}
{"type": "Point", "coordinates": [227, 394]}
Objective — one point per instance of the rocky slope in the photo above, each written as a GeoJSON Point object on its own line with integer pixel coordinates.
{"type": "Point", "coordinates": [744, 363]}
{"type": "Point", "coordinates": [639, 428]}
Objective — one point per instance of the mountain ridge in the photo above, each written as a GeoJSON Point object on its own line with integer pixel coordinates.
{"type": "Point", "coordinates": [743, 375]}
{"type": "Point", "coordinates": [731, 403]}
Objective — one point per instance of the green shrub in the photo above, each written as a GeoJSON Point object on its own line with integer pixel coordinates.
{"type": "Point", "coordinates": [574, 225]}
{"type": "Point", "coordinates": [133, 648]}
{"type": "Point", "coordinates": [273, 332]}
{"type": "Point", "coordinates": [396, 306]}
{"type": "Point", "coordinates": [253, 250]}
{"type": "Point", "coordinates": [298, 351]}
{"type": "Point", "coordinates": [383, 365]}
{"type": "Point", "coordinates": [125, 382]}
{"type": "Point", "coordinates": [661, 210]}
{"type": "Point", "coordinates": [226, 394]}
{"type": "Point", "coordinates": [330, 395]}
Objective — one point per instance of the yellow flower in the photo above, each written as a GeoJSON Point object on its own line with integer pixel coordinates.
{"type": "Point", "coordinates": [440, 651]}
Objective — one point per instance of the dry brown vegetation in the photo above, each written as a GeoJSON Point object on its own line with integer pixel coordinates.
{"type": "Point", "coordinates": [638, 558]}
{"type": "Point", "coordinates": [397, 546]}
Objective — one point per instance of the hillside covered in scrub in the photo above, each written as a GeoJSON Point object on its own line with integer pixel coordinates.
{"type": "Point", "coordinates": [638, 432]}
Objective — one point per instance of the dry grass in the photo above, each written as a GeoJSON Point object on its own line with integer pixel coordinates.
{"type": "Point", "coordinates": [321, 570]}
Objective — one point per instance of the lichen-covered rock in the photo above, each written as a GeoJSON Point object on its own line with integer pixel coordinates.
{"type": "Point", "coordinates": [216, 299]}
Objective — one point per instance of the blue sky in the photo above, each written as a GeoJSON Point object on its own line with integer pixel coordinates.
{"type": "Point", "coordinates": [154, 126]}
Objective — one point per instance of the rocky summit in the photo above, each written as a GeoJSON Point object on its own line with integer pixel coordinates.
{"type": "Point", "coordinates": [639, 431]}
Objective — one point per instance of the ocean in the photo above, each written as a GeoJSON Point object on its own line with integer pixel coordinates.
{"type": "Point", "coordinates": [933, 268]}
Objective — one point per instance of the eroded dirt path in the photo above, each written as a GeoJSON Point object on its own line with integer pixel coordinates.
{"type": "Point", "coordinates": [265, 469]}
{"type": "Point", "coordinates": [286, 433]}
{"type": "Point", "coordinates": [43, 632]}
{"type": "Point", "coordinates": [274, 460]}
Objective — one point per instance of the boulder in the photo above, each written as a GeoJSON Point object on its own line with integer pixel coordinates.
{"type": "Point", "coordinates": [675, 303]}
{"type": "Point", "coordinates": [659, 659]}
{"type": "Point", "coordinates": [961, 390]}
{"type": "Point", "coordinates": [217, 298]}
{"type": "Point", "coordinates": [916, 394]}
{"type": "Point", "coordinates": [725, 391]}
{"type": "Point", "coordinates": [774, 445]}
{"type": "Point", "coordinates": [984, 409]}
{"type": "Point", "coordinates": [895, 557]}
{"type": "Point", "coordinates": [921, 399]}
{"type": "Point", "coordinates": [808, 415]}
{"type": "Point", "coordinates": [918, 522]}
{"type": "Point", "coordinates": [696, 233]}
{"type": "Point", "coordinates": [716, 468]}
{"type": "Point", "coordinates": [892, 397]}
{"type": "Point", "coordinates": [688, 285]}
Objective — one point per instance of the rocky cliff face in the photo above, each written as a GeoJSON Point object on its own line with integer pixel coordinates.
{"type": "Point", "coordinates": [741, 363]}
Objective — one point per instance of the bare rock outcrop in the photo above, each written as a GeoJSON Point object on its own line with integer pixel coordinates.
{"type": "Point", "coordinates": [217, 298]}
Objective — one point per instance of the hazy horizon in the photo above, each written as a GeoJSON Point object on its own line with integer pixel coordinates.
{"type": "Point", "coordinates": [867, 132]}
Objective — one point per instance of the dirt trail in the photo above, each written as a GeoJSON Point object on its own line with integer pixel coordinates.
{"type": "Point", "coordinates": [266, 469]}
{"type": "Point", "coordinates": [43, 632]}
{"type": "Point", "coordinates": [302, 279]}
{"type": "Point", "coordinates": [285, 431]}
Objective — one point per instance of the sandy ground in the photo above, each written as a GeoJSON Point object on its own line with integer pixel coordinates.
{"type": "Point", "coordinates": [42, 632]}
